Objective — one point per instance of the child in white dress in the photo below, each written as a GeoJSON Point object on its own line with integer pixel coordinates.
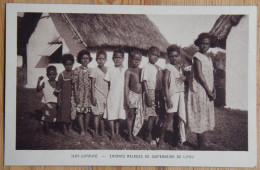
{"type": "Point", "coordinates": [99, 91]}
{"type": "Point", "coordinates": [115, 101]}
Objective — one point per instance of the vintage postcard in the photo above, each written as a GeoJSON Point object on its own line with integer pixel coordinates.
{"type": "Point", "coordinates": [130, 85]}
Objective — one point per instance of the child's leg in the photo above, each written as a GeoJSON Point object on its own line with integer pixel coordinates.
{"type": "Point", "coordinates": [96, 124]}
{"type": "Point", "coordinates": [46, 128]}
{"type": "Point", "coordinates": [130, 119]}
{"type": "Point", "coordinates": [87, 118]}
{"type": "Point", "coordinates": [64, 128]}
{"type": "Point", "coordinates": [81, 124]}
{"type": "Point", "coordinates": [176, 126]}
{"type": "Point", "coordinates": [117, 127]}
{"type": "Point", "coordinates": [150, 128]}
{"type": "Point", "coordinates": [102, 125]}
{"type": "Point", "coordinates": [200, 140]}
{"type": "Point", "coordinates": [166, 122]}
{"type": "Point", "coordinates": [111, 125]}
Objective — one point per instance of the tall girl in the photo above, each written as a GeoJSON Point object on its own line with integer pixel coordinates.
{"type": "Point", "coordinates": [81, 96]}
{"type": "Point", "coordinates": [115, 100]}
{"type": "Point", "coordinates": [202, 93]}
{"type": "Point", "coordinates": [64, 89]}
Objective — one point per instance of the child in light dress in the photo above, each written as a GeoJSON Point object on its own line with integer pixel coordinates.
{"type": "Point", "coordinates": [133, 96]}
{"type": "Point", "coordinates": [81, 94]}
{"type": "Point", "coordinates": [64, 90]}
{"type": "Point", "coordinates": [99, 91]}
{"type": "Point", "coordinates": [174, 94]}
{"type": "Point", "coordinates": [202, 92]}
{"type": "Point", "coordinates": [115, 101]}
{"type": "Point", "coordinates": [49, 100]}
{"type": "Point", "coordinates": [151, 77]}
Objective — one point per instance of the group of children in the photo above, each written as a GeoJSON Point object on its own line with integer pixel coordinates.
{"type": "Point", "coordinates": [116, 93]}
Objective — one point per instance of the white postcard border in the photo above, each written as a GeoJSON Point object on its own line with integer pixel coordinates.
{"type": "Point", "coordinates": [64, 157]}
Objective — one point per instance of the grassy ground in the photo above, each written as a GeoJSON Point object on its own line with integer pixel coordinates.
{"type": "Point", "coordinates": [231, 132]}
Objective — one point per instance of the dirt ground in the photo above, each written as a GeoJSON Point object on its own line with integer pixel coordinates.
{"type": "Point", "coordinates": [231, 132]}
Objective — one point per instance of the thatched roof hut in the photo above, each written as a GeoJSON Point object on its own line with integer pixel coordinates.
{"type": "Point", "coordinates": [222, 28]}
{"type": "Point", "coordinates": [113, 30]}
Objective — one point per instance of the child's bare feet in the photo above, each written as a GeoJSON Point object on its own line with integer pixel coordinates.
{"type": "Point", "coordinates": [113, 138]}
{"type": "Point", "coordinates": [130, 139]}
{"type": "Point", "coordinates": [161, 143]}
{"type": "Point", "coordinates": [82, 133]}
{"type": "Point", "coordinates": [149, 139]}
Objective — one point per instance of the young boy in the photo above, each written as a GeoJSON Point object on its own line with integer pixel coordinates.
{"type": "Point", "coordinates": [115, 100]}
{"type": "Point", "coordinates": [99, 91]}
{"type": "Point", "coordinates": [151, 77]}
{"type": "Point", "coordinates": [174, 93]}
{"type": "Point", "coordinates": [50, 101]}
{"type": "Point", "coordinates": [133, 95]}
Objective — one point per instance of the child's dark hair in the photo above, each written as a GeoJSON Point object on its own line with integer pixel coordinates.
{"type": "Point", "coordinates": [101, 53]}
{"type": "Point", "coordinates": [213, 41]}
{"type": "Point", "coordinates": [172, 48]}
{"type": "Point", "coordinates": [67, 57]}
{"type": "Point", "coordinates": [120, 51]}
{"type": "Point", "coordinates": [154, 50]}
{"type": "Point", "coordinates": [51, 68]}
{"type": "Point", "coordinates": [134, 52]}
{"type": "Point", "coordinates": [81, 54]}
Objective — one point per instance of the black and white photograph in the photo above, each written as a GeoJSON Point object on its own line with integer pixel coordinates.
{"type": "Point", "coordinates": [130, 85]}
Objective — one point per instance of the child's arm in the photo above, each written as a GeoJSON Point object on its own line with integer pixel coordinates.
{"type": "Point", "coordinates": [148, 99]}
{"type": "Point", "coordinates": [40, 86]}
{"type": "Point", "coordinates": [93, 98]}
{"type": "Point", "coordinates": [75, 79]}
{"type": "Point", "coordinates": [58, 86]}
{"type": "Point", "coordinates": [144, 78]}
{"type": "Point", "coordinates": [181, 79]}
{"type": "Point", "coordinates": [166, 88]}
{"type": "Point", "coordinates": [200, 76]}
{"type": "Point", "coordinates": [126, 91]}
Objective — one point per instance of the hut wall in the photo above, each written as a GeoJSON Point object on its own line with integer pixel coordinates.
{"type": "Point", "coordinates": [44, 33]}
{"type": "Point", "coordinates": [237, 66]}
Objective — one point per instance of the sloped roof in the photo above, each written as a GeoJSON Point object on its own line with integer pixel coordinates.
{"type": "Point", "coordinates": [222, 28]}
{"type": "Point", "coordinates": [112, 30]}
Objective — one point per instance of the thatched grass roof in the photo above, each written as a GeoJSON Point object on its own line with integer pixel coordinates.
{"type": "Point", "coordinates": [112, 30]}
{"type": "Point", "coordinates": [222, 28]}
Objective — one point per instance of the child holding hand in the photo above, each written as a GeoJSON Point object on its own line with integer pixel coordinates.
{"type": "Point", "coordinates": [49, 100]}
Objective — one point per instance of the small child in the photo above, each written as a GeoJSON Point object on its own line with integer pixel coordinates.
{"type": "Point", "coordinates": [115, 101]}
{"type": "Point", "coordinates": [174, 93]}
{"type": "Point", "coordinates": [50, 101]}
{"type": "Point", "coordinates": [99, 91]}
{"type": "Point", "coordinates": [133, 95]}
{"type": "Point", "coordinates": [151, 77]}
{"type": "Point", "coordinates": [64, 92]}
{"type": "Point", "coordinates": [82, 91]}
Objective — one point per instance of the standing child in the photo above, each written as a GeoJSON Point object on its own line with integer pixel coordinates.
{"type": "Point", "coordinates": [133, 95]}
{"type": "Point", "coordinates": [99, 89]}
{"type": "Point", "coordinates": [174, 93]}
{"type": "Point", "coordinates": [115, 100]}
{"type": "Point", "coordinates": [151, 77]}
{"type": "Point", "coordinates": [50, 101]}
{"type": "Point", "coordinates": [82, 91]}
{"type": "Point", "coordinates": [64, 89]}
{"type": "Point", "coordinates": [202, 92]}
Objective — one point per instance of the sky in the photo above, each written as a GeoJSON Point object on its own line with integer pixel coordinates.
{"type": "Point", "coordinates": [183, 29]}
